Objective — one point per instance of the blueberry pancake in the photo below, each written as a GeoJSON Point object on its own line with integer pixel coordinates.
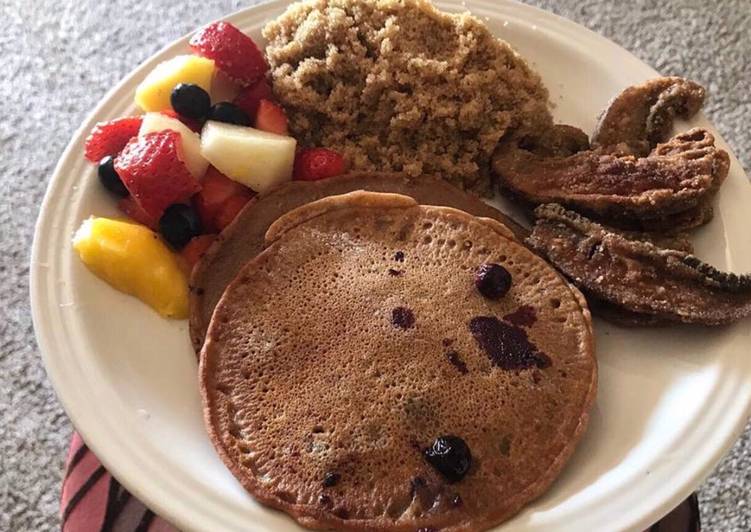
{"type": "Point", "coordinates": [243, 240]}
{"type": "Point", "coordinates": [383, 365]}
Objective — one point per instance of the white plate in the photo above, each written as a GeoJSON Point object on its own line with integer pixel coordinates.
{"type": "Point", "coordinates": [671, 401]}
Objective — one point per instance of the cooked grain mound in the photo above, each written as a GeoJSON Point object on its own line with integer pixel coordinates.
{"type": "Point", "coordinates": [398, 85]}
{"type": "Point", "coordinates": [320, 393]}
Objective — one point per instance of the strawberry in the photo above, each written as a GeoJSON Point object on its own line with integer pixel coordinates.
{"type": "Point", "coordinates": [229, 211]}
{"type": "Point", "coordinates": [270, 117]}
{"type": "Point", "coordinates": [317, 163]}
{"type": "Point", "coordinates": [250, 97]}
{"type": "Point", "coordinates": [233, 52]}
{"type": "Point", "coordinates": [152, 171]}
{"type": "Point", "coordinates": [196, 249]}
{"type": "Point", "coordinates": [109, 138]}
{"type": "Point", "coordinates": [132, 210]}
{"type": "Point", "coordinates": [193, 125]}
{"type": "Point", "coordinates": [216, 189]}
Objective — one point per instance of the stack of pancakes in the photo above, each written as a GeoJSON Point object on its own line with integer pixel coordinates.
{"type": "Point", "coordinates": [349, 336]}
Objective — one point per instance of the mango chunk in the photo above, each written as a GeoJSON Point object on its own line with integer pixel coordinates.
{"type": "Point", "coordinates": [153, 93]}
{"type": "Point", "coordinates": [134, 260]}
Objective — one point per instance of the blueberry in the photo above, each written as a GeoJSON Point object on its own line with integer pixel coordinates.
{"type": "Point", "coordinates": [450, 456]}
{"type": "Point", "coordinates": [229, 113]}
{"type": "Point", "coordinates": [331, 479]}
{"type": "Point", "coordinates": [109, 178]}
{"type": "Point", "coordinates": [190, 101]}
{"type": "Point", "coordinates": [179, 224]}
{"type": "Point", "coordinates": [492, 280]}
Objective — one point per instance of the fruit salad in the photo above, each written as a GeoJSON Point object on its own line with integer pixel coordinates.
{"type": "Point", "coordinates": [210, 137]}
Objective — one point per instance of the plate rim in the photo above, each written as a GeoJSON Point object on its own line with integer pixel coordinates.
{"type": "Point", "coordinates": [160, 497]}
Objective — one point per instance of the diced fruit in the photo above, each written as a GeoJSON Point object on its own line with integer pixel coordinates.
{"type": "Point", "coordinates": [130, 207]}
{"type": "Point", "coordinates": [229, 211]}
{"type": "Point", "coordinates": [179, 224]}
{"type": "Point", "coordinates": [223, 88]}
{"type": "Point", "coordinates": [190, 100]}
{"type": "Point", "coordinates": [318, 163]}
{"type": "Point", "coordinates": [190, 145]}
{"type": "Point", "coordinates": [109, 138]}
{"type": "Point", "coordinates": [216, 189]}
{"type": "Point", "coordinates": [250, 97]}
{"type": "Point", "coordinates": [134, 260]}
{"type": "Point", "coordinates": [152, 171]}
{"type": "Point", "coordinates": [196, 249]}
{"type": "Point", "coordinates": [270, 117]}
{"type": "Point", "coordinates": [234, 52]}
{"type": "Point", "coordinates": [229, 113]}
{"type": "Point", "coordinates": [108, 177]}
{"type": "Point", "coordinates": [254, 158]}
{"type": "Point", "coordinates": [153, 93]}
{"type": "Point", "coordinates": [194, 125]}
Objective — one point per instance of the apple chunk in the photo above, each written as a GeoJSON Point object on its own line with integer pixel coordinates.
{"type": "Point", "coordinates": [191, 143]}
{"type": "Point", "coordinates": [255, 158]}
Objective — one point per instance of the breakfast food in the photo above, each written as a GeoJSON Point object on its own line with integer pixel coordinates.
{"type": "Point", "coordinates": [257, 159]}
{"type": "Point", "coordinates": [642, 115]}
{"type": "Point", "coordinates": [243, 240]}
{"type": "Point", "coordinates": [131, 258]}
{"type": "Point", "coordinates": [381, 349]}
{"type": "Point", "coordinates": [633, 182]}
{"type": "Point", "coordinates": [395, 396]}
{"type": "Point", "coordinates": [397, 85]}
{"type": "Point", "coordinates": [635, 281]}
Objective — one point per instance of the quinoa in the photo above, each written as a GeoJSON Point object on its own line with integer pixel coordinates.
{"type": "Point", "coordinates": [396, 85]}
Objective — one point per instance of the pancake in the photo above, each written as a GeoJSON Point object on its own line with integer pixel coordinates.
{"type": "Point", "coordinates": [357, 337]}
{"type": "Point", "coordinates": [243, 239]}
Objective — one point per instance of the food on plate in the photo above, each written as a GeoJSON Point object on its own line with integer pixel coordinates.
{"type": "Point", "coordinates": [398, 85]}
{"type": "Point", "coordinates": [190, 101]}
{"type": "Point", "coordinates": [109, 138]}
{"type": "Point", "coordinates": [642, 116]}
{"type": "Point", "coordinates": [155, 91]}
{"type": "Point", "coordinates": [196, 248]}
{"type": "Point", "coordinates": [395, 401]}
{"type": "Point", "coordinates": [235, 54]}
{"type": "Point", "coordinates": [635, 281]}
{"type": "Point", "coordinates": [243, 240]}
{"type": "Point", "coordinates": [255, 158]}
{"type": "Point", "coordinates": [229, 113]}
{"type": "Point", "coordinates": [108, 177]}
{"type": "Point", "coordinates": [152, 169]}
{"type": "Point", "coordinates": [270, 117]}
{"type": "Point", "coordinates": [134, 260]}
{"type": "Point", "coordinates": [190, 142]}
{"type": "Point", "coordinates": [633, 183]}
{"type": "Point", "coordinates": [179, 223]}
{"type": "Point", "coordinates": [312, 164]}
{"type": "Point", "coordinates": [219, 200]}
{"type": "Point", "coordinates": [249, 98]}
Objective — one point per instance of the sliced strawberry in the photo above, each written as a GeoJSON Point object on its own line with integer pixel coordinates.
{"type": "Point", "coordinates": [216, 189]}
{"type": "Point", "coordinates": [132, 210]}
{"type": "Point", "coordinates": [317, 163]}
{"type": "Point", "coordinates": [270, 117]}
{"type": "Point", "coordinates": [109, 138]}
{"type": "Point", "coordinates": [194, 125]}
{"type": "Point", "coordinates": [151, 170]}
{"type": "Point", "coordinates": [233, 52]}
{"type": "Point", "coordinates": [230, 210]}
{"type": "Point", "coordinates": [196, 248]}
{"type": "Point", "coordinates": [250, 97]}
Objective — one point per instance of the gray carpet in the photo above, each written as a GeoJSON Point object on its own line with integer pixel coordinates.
{"type": "Point", "coordinates": [61, 56]}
